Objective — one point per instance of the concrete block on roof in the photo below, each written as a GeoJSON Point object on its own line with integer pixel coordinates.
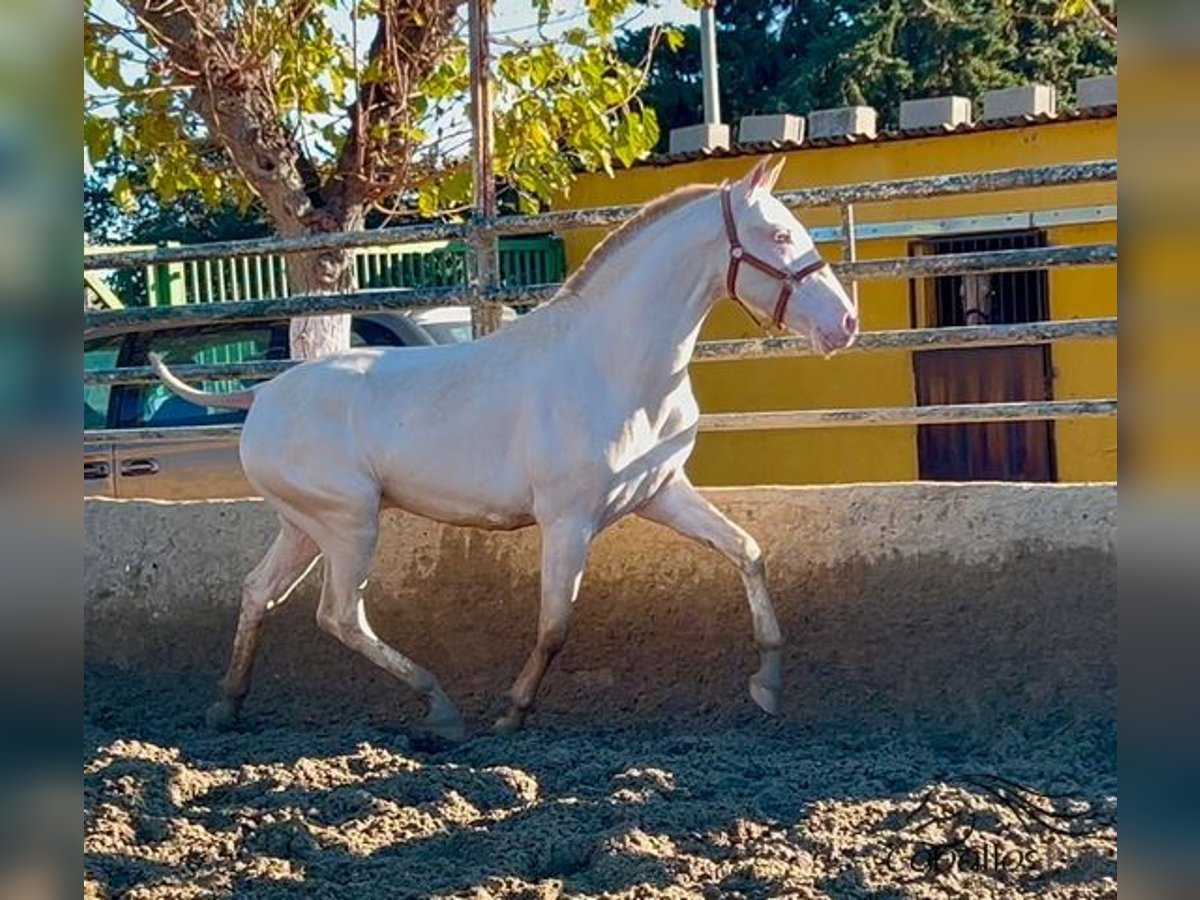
{"type": "Point", "coordinates": [856, 121]}
{"type": "Point", "coordinates": [1023, 100]}
{"type": "Point", "coordinates": [934, 112]}
{"type": "Point", "coordinates": [1097, 91]}
{"type": "Point", "coordinates": [781, 127]}
{"type": "Point", "coordinates": [692, 138]}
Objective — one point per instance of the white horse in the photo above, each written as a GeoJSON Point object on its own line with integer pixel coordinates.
{"type": "Point", "coordinates": [570, 418]}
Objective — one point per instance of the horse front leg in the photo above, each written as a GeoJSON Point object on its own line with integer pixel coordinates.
{"type": "Point", "coordinates": [679, 506]}
{"type": "Point", "coordinates": [564, 553]}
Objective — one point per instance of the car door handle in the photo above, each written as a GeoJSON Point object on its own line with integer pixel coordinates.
{"type": "Point", "coordinates": [133, 468]}
{"type": "Point", "coordinates": [94, 471]}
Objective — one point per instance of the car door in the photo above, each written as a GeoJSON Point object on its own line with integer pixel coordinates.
{"type": "Point", "coordinates": [179, 466]}
{"type": "Point", "coordinates": [98, 459]}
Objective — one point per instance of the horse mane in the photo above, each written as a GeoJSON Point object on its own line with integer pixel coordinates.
{"type": "Point", "coordinates": [617, 238]}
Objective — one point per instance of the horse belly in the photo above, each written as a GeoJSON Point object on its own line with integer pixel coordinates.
{"type": "Point", "coordinates": [451, 494]}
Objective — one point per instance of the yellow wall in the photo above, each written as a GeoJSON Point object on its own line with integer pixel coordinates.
{"type": "Point", "coordinates": [1086, 449]}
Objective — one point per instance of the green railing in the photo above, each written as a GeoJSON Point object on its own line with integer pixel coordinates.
{"type": "Point", "coordinates": [433, 265]}
{"type": "Point", "coordinates": [529, 261]}
{"type": "Point", "coordinates": [242, 351]}
{"type": "Point", "coordinates": [524, 262]}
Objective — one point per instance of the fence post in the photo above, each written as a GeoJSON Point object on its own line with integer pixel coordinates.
{"type": "Point", "coordinates": [485, 315]}
{"type": "Point", "coordinates": [165, 282]}
{"type": "Point", "coordinates": [850, 249]}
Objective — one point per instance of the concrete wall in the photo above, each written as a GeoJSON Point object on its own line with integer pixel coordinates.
{"type": "Point", "coordinates": [966, 606]}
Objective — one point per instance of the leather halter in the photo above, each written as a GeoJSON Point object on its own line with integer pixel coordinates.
{"type": "Point", "coordinates": [738, 255]}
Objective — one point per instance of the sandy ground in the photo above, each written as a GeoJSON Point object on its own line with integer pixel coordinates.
{"type": "Point", "coordinates": [742, 807]}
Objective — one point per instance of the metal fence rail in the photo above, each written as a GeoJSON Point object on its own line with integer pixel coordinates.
{"type": "Point", "coordinates": [1021, 411]}
{"type": "Point", "coordinates": [1018, 411]}
{"type": "Point", "coordinates": [869, 192]}
{"type": "Point", "coordinates": [917, 339]}
{"type": "Point", "coordinates": [482, 230]}
{"type": "Point", "coordinates": [715, 351]}
{"type": "Point", "coordinates": [146, 318]}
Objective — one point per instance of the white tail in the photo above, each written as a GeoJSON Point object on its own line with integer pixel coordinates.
{"type": "Point", "coordinates": [235, 400]}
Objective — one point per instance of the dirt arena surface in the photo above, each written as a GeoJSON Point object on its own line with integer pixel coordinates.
{"type": "Point", "coordinates": [346, 805]}
{"type": "Point", "coordinates": [950, 665]}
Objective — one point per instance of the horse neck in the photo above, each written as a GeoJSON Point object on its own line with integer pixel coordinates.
{"type": "Point", "coordinates": [645, 304]}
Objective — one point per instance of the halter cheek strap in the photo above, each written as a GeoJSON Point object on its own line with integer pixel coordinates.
{"type": "Point", "coordinates": [738, 255]}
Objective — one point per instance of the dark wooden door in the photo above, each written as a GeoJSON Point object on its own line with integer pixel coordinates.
{"type": "Point", "coordinates": [1000, 451]}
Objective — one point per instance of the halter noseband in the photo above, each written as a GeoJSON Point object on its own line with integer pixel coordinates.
{"type": "Point", "coordinates": [739, 255]}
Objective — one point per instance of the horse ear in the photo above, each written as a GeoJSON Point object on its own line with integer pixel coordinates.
{"type": "Point", "coordinates": [757, 177]}
{"type": "Point", "coordinates": [773, 175]}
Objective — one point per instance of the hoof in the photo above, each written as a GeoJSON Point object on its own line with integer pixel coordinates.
{"type": "Point", "coordinates": [443, 720]}
{"type": "Point", "coordinates": [510, 722]}
{"type": "Point", "coordinates": [765, 696]}
{"type": "Point", "coordinates": [438, 737]}
{"type": "Point", "coordinates": [223, 714]}
{"type": "Point", "coordinates": [452, 730]}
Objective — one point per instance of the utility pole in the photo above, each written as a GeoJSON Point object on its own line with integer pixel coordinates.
{"type": "Point", "coordinates": [708, 62]}
{"type": "Point", "coordinates": [709, 134]}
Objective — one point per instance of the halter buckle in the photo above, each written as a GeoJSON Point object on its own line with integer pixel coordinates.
{"type": "Point", "coordinates": [737, 252]}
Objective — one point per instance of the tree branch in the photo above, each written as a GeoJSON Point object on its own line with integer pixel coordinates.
{"type": "Point", "coordinates": [1109, 25]}
{"type": "Point", "coordinates": [409, 41]}
{"type": "Point", "coordinates": [232, 94]}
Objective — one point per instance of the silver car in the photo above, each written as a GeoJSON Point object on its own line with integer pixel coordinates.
{"type": "Point", "coordinates": [187, 468]}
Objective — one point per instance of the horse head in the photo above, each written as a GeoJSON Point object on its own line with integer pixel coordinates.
{"type": "Point", "coordinates": [775, 269]}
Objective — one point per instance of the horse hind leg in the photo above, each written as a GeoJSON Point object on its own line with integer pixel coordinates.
{"type": "Point", "coordinates": [287, 562]}
{"type": "Point", "coordinates": [342, 614]}
{"type": "Point", "coordinates": [564, 553]}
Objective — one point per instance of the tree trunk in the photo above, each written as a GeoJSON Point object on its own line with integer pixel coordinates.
{"type": "Point", "coordinates": [311, 274]}
{"type": "Point", "coordinates": [322, 272]}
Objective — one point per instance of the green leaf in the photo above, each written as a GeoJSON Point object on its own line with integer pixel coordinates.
{"type": "Point", "coordinates": [626, 142]}
{"type": "Point", "coordinates": [427, 200]}
{"type": "Point", "coordinates": [122, 192]}
{"type": "Point", "coordinates": [104, 65]}
{"type": "Point", "coordinates": [650, 131]}
{"type": "Point", "coordinates": [98, 138]}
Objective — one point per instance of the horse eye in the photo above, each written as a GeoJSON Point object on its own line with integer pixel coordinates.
{"type": "Point", "coordinates": [783, 237]}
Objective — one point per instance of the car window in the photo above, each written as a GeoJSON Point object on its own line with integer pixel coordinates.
{"type": "Point", "coordinates": [449, 332]}
{"type": "Point", "coordinates": [364, 333]}
{"type": "Point", "coordinates": [156, 407]}
{"type": "Point", "coordinates": [101, 354]}
{"type": "Point", "coordinates": [388, 330]}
